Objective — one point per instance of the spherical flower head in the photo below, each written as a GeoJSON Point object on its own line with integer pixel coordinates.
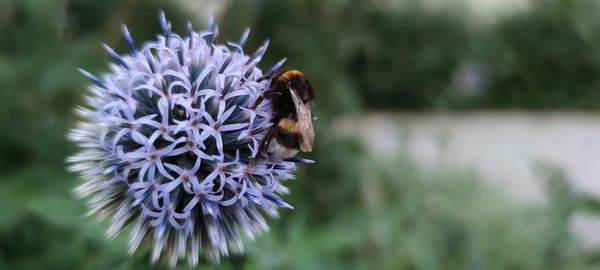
{"type": "Point", "coordinates": [169, 143]}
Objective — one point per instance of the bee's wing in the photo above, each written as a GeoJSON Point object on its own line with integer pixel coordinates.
{"type": "Point", "coordinates": [307, 134]}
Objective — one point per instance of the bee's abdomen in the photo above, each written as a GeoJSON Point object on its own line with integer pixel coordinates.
{"type": "Point", "coordinates": [285, 138]}
{"type": "Point", "coordinates": [287, 133]}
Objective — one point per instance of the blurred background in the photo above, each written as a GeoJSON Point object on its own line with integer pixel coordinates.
{"type": "Point", "coordinates": [452, 134]}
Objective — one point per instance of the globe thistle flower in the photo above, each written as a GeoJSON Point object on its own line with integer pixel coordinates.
{"type": "Point", "coordinates": [169, 144]}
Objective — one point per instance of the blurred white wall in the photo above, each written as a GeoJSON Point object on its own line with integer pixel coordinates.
{"type": "Point", "coordinates": [481, 11]}
{"type": "Point", "coordinates": [491, 10]}
{"type": "Point", "coordinates": [503, 147]}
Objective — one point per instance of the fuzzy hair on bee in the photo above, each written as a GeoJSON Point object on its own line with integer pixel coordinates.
{"type": "Point", "coordinates": [291, 96]}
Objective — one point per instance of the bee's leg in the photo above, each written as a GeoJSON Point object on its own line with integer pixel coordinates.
{"type": "Point", "coordinates": [265, 143]}
{"type": "Point", "coordinates": [257, 102]}
{"type": "Point", "coordinates": [263, 95]}
{"type": "Point", "coordinates": [262, 150]}
{"type": "Point", "coordinates": [264, 77]}
{"type": "Point", "coordinates": [260, 79]}
{"type": "Point", "coordinates": [268, 76]}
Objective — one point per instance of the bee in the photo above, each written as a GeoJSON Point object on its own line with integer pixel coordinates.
{"type": "Point", "coordinates": [291, 96]}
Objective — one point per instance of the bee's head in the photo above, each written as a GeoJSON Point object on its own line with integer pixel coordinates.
{"type": "Point", "coordinates": [297, 81]}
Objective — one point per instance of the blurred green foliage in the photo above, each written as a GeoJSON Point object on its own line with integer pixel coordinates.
{"type": "Point", "coordinates": [352, 210]}
{"type": "Point", "coordinates": [369, 54]}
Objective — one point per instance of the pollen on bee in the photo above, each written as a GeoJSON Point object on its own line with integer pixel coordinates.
{"type": "Point", "coordinates": [289, 125]}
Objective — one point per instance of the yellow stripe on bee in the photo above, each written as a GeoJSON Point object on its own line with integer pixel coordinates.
{"type": "Point", "coordinates": [290, 74]}
{"type": "Point", "coordinates": [288, 125]}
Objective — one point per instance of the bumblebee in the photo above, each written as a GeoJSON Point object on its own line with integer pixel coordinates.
{"type": "Point", "coordinates": [291, 96]}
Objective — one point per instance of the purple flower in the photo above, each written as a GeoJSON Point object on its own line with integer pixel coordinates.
{"type": "Point", "coordinates": [166, 142]}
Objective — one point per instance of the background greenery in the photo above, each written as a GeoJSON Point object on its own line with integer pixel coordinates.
{"type": "Point", "coordinates": [352, 210]}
